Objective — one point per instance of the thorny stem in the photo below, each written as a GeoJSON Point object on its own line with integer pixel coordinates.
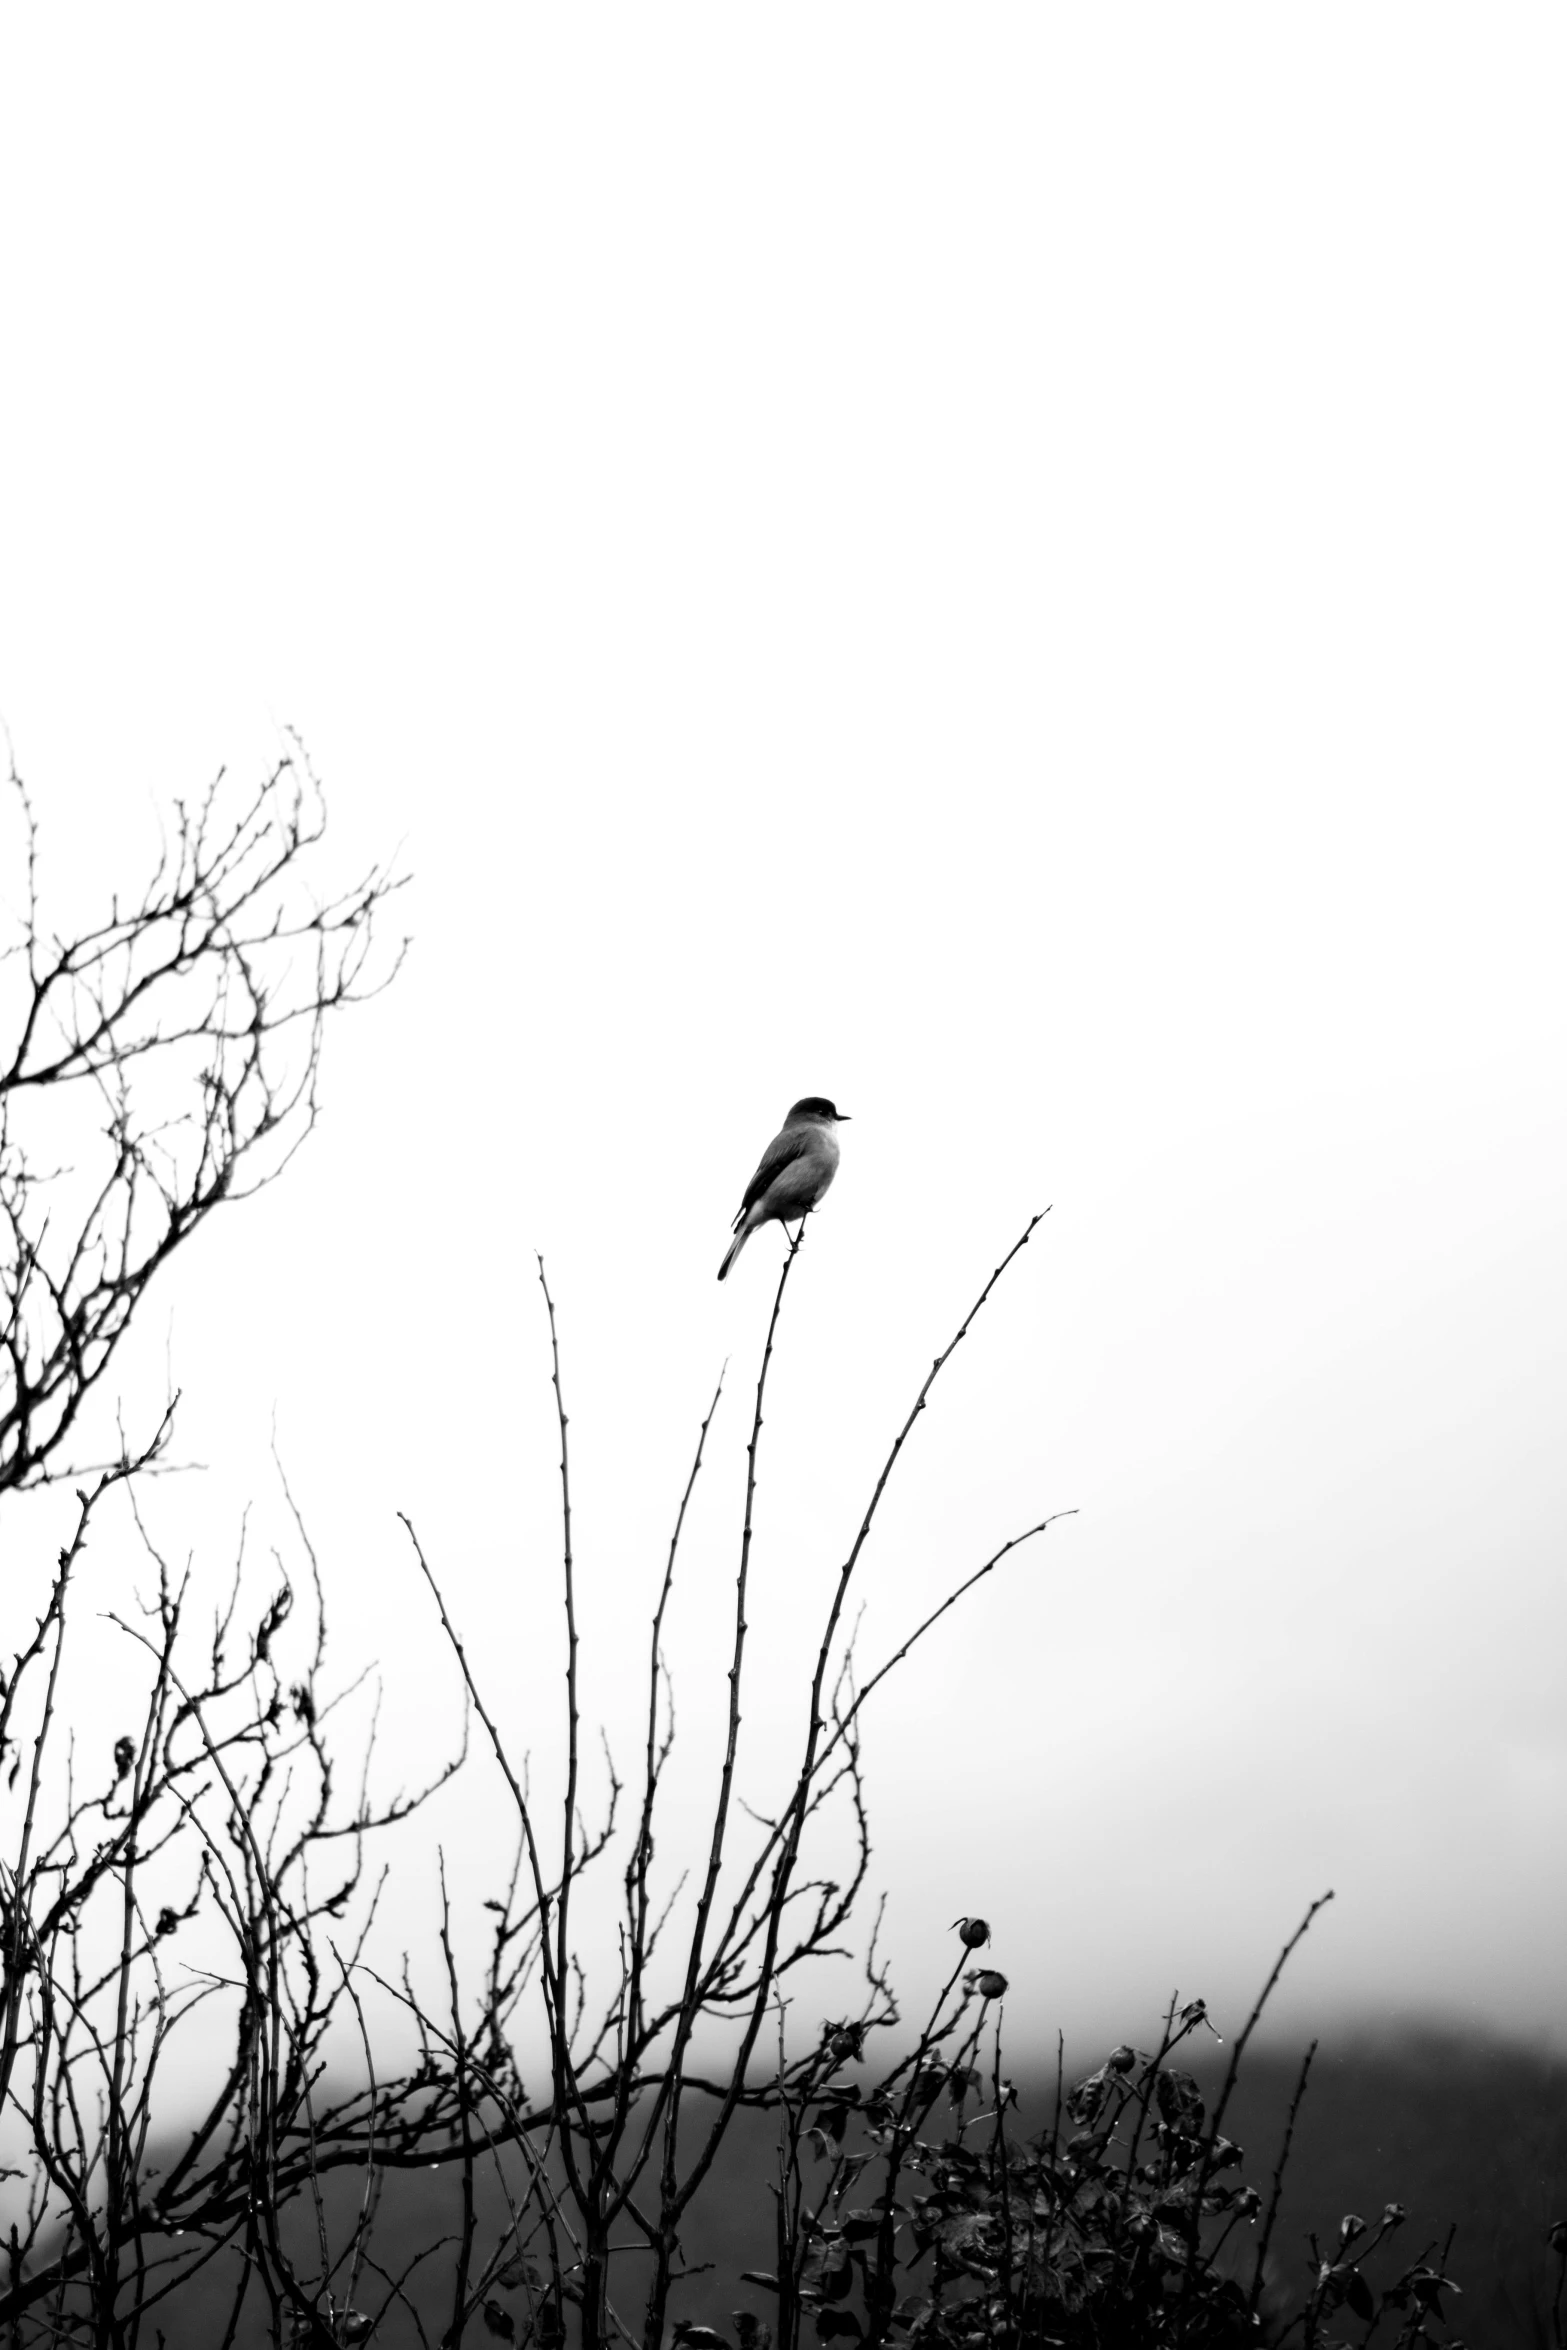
{"type": "Point", "coordinates": [560, 2038]}
{"type": "Point", "coordinates": [1002, 2093]}
{"type": "Point", "coordinates": [786, 1836]}
{"type": "Point", "coordinates": [454, 2331]}
{"type": "Point", "coordinates": [788, 1830]}
{"type": "Point", "coordinates": [898, 2138]}
{"type": "Point", "coordinates": [844, 1721]}
{"type": "Point", "coordinates": [642, 1850]}
{"type": "Point", "coordinates": [553, 1994]}
{"type": "Point", "coordinates": [1232, 2070]}
{"type": "Point", "coordinates": [1276, 2192]}
{"type": "Point", "coordinates": [671, 2199]}
{"type": "Point", "coordinates": [835, 1612]}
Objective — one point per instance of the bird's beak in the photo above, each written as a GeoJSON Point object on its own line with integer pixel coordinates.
{"type": "Point", "coordinates": [842, 1118]}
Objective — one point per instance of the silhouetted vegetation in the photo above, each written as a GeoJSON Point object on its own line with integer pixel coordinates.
{"type": "Point", "coordinates": [904, 2199]}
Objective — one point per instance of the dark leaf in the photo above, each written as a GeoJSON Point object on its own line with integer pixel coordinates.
{"type": "Point", "coordinates": [962, 2081]}
{"type": "Point", "coordinates": [837, 2279]}
{"type": "Point", "coordinates": [1179, 2099]}
{"type": "Point", "coordinates": [1083, 2102]}
{"type": "Point", "coordinates": [1358, 2294]}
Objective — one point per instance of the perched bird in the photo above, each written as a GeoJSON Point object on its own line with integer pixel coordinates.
{"type": "Point", "coordinates": [795, 1170]}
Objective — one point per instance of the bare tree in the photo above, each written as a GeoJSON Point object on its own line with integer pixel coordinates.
{"type": "Point", "coordinates": [154, 1064]}
{"type": "Point", "coordinates": [219, 1796]}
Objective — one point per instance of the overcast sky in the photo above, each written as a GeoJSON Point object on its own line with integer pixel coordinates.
{"type": "Point", "coordinates": [1003, 565]}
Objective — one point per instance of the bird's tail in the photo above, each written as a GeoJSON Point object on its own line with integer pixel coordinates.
{"type": "Point", "coordinates": [735, 1246]}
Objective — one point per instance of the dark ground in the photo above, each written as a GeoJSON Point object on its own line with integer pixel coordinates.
{"type": "Point", "coordinates": [1457, 2130]}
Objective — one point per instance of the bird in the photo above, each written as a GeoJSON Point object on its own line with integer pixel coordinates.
{"type": "Point", "coordinates": [793, 1172]}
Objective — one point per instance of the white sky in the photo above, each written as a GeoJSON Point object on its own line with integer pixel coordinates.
{"type": "Point", "coordinates": [1006, 566]}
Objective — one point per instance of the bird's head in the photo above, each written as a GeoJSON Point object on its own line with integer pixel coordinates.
{"type": "Point", "coordinates": [816, 1110]}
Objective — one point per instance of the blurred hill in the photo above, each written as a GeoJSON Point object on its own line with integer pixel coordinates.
{"type": "Point", "coordinates": [1463, 2132]}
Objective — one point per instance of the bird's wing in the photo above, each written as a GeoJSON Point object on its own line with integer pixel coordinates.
{"type": "Point", "coordinates": [781, 1152]}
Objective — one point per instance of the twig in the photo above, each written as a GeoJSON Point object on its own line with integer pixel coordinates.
{"type": "Point", "coordinates": [1276, 2192]}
